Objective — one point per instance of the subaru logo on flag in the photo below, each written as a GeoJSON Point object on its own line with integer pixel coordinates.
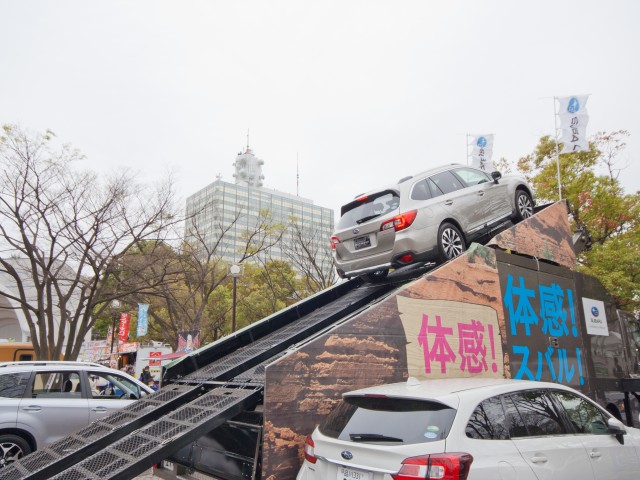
{"type": "Point", "coordinates": [347, 455]}
{"type": "Point", "coordinates": [482, 142]}
{"type": "Point", "coordinates": [594, 311]}
{"type": "Point", "coordinates": [574, 105]}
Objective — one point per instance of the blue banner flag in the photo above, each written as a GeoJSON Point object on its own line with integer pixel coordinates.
{"type": "Point", "coordinates": [143, 319]}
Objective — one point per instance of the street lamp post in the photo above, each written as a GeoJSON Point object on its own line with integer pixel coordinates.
{"type": "Point", "coordinates": [235, 270]}
{"type": "Point", "coordinates": [115, 307]}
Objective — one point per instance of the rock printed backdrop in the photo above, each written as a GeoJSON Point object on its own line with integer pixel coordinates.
{"type": "Point", "coordinates": [450, 322]}
{"type": "Point", "coordinates": [447, 322]}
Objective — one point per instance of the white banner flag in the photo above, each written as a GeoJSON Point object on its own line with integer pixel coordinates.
{"type": "Point", "coordinates": [481, 152]}
{"type": "Point", "coordinates": [573, 123]}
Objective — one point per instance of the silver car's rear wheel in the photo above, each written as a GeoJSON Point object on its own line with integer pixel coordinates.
{"type": "Point", "coordinates": [450, 241]}
{"type": "Point", "coordinates": [524, 205]}
{"type": "Point", "coordinates": [12, 448]}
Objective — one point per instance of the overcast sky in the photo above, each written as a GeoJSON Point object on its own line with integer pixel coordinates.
{"type": "Point", "coordinates": [362, 92]}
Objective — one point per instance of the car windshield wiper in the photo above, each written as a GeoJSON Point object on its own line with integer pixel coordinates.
{"type": "Point", "coordinates": [366, 219]}
{"type": "Point", "coordinates": [372, 437]}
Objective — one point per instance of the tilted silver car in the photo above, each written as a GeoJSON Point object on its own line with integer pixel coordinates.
{"type": "Point", "coordinates": [426, 217]}
{"type": "Point", "coordinates": [44, 401]}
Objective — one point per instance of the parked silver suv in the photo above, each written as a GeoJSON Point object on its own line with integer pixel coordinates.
{"type": "Point", "coordinates": [41, 402]}
{"type": "Point", "coordinates": [427, 217]}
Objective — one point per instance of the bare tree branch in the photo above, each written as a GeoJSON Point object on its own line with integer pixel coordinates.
{"type": "Point", "coordinates": [60, 232]}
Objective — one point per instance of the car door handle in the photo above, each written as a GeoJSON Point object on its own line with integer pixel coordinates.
{"type": "Point", "coordinates": [595, 454]}
{"type": "Point", "coordinates": [32, 408]}
{"type": "Point", "coordinates": [99, 409]}
{"type": "Point", "coordinates": [539, 459]}
{"type": "Point", "coordinates": [449, 202]}
{"type": "Point", "coordinates": [481, 194]}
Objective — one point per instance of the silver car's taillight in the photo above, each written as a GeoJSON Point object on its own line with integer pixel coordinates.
{"type": "Point", "coordinates": [400, 222]}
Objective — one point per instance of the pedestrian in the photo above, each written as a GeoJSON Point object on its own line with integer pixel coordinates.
{"type": "Point", "coordinates": [145, 376]}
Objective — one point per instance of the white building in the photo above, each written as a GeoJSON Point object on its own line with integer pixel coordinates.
{"type": "Point", "coordinates": [13, 323]}
{"type": "Point", "coordinates": [236, 207]}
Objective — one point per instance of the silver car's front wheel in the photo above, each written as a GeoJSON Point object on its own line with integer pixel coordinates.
{"type": "Point", "coordinates": [12, 448]}
{"type": "Point", "coordinates": [524, 205]}
{"type": "Point", "coordinates": [450, 241]}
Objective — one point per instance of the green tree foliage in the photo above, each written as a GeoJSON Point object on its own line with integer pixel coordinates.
{"type": "Point", "coordinates": [182, 298]}
{"type": "Point", "coordinates": [266, 288]}
{"type": "Point", "coordinates": [597, 201]}
{"type": "Point", "coordinates": [190, 287]}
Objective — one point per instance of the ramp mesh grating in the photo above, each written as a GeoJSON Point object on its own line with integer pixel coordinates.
{"type": "Point", "coordinates": [95, 431]}
{"type": "Point", "coordinates": [133, 453]}
{"type": "Point", "coordinates": [279, 338]}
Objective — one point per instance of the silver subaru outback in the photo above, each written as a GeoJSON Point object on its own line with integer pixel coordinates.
{"type": "Point", "coordinates": [432, 216]}
{"type": "Point", "coordinates": [44, 401]}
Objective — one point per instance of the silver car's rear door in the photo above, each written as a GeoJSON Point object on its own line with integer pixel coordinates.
{"type": "Point", "coordinates": [458, 200]}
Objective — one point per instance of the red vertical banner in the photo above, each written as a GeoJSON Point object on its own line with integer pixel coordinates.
{"type": "Point", "coordinates": [123, 329]}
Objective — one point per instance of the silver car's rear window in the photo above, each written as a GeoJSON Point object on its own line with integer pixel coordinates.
{"type": "Point", "coordinates": [392, 421]}
{"type": "Point", "coordinates": [367, 208]}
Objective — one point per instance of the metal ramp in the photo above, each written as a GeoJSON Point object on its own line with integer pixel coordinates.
{"type": "Point", "coordinates": [48, 461]}
{"type": "Point", "coordinates": [244, 358]}
{"type": "Point", "coordinates": [318, 311]}
{"type": "Point", "coordinates": [133, 439]}
{"type": "Point", "coordinates": [138, 452]}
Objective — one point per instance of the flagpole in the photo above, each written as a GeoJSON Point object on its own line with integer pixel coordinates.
{"type": "Point", "coordinates": [555, 121]}
{"type": "Point", "coordinates": [467, 149]}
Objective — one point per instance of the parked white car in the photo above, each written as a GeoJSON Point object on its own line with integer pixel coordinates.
{"type": "Point", "coordinates": [41, 402]}
{"type": "Point", "coordinates": [475, 429]}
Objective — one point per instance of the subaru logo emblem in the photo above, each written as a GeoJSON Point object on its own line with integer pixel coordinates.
{"type": "Point", "coordinates": [347, 455]}
{"type": "Point", "coordinates": [574, 105]}
{"type": "Point", "coordinates": [594, 311]}
{"type": "Point", "coordinates": [356, 231]}
{"type": "Point", "coordinates": [482, 142]}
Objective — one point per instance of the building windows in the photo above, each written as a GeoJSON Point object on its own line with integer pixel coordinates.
{"type": "Point", "coordinates": [221, 204]}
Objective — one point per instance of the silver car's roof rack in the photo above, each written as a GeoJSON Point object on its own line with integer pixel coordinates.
{"type": "Point", "coordinates": [49, 362]}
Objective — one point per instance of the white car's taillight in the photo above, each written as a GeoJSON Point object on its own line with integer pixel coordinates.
{"type": "Point", "coordinates": [334, 241]}
{"type": "Point", "coordinates": [441, 466]}
{"type": "Point", "coordinates": [309, 450]}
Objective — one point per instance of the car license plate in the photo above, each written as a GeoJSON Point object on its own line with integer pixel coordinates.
{"type": "Point", "coordinates": [345, 473]}
{"type": "Point", "coordinates": [361, 242]}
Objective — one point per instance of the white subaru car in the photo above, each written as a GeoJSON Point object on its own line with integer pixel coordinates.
{"type": "Point", "coordinates": [44, 401]}
{"type": "Point", "coordinates": [475, 429]}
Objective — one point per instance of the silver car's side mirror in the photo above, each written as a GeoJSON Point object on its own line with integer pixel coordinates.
{"type": "Point", "coordinates": [616, 428]}
{"type": "Point", "coordinates": [496, 176]}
